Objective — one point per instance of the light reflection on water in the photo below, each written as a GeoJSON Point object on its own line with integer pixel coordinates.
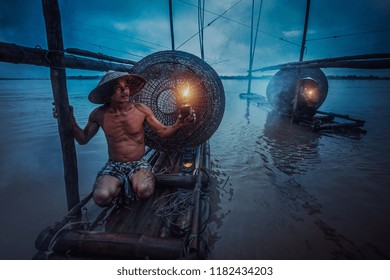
{"type": "Point", "coordinates": [282, 192]}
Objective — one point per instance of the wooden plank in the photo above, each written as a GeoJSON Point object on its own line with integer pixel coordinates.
{"type": "Point", "coordinates": [51, 14]}
{"type": "Point", "coordinates": [143, 211]}
{"type": "Point", "coordinates": [137, 217]}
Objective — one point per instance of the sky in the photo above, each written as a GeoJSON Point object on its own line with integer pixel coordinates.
{"type": "Point", "coordinates": [133, 29]}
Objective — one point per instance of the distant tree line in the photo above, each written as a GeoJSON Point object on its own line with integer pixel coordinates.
{"type": "Point", "coordinates": [223, 77]}
{"type": "Point", "coordinates": [330, 77]}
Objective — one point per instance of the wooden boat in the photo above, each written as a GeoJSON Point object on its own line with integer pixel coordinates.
{"type": "Point", "coordinates": [169, 225]}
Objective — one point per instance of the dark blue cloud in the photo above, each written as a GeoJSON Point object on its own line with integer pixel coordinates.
{"type": "Point", "coordinates": [22, 22]}
{"type": "Point", "coordinates": [134, 29]}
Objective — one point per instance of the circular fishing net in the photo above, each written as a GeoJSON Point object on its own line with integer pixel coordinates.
{"type": "Point", "coordinates": [282, 87]}
{"type": "Point", "coordinates": [169, 74]}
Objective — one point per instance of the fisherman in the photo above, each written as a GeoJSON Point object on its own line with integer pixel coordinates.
{"type": "Point", "coordinates": [123, 124]}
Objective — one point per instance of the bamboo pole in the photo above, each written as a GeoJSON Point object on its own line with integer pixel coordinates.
{"type": "Point", "coordinates": [335, 126]}
{"type": "Point", "coordinates": [204, 206]}
{"type": "Point", "coordinates": [303, 45]}
{"type": "Point", "coordinates": [52, 17]}
{"type": "Point", "coordinates": [335, 115]}
{"type": "Point", "coordinates": [195, 222]}
{"type": "Point", "coordinates": [13, 53]}
{"type": "Point", "coordinates": [177, 181]}
{"type": "Point", "coordinates": [366, 61]}
{"type": "Point", "coordinates": [171, 25]}
{"type": "Point", "coordinates": [117, 245]}
{"type": "Point", "coordinates": [251, 47]}
{"type": "Point", "coordinates": [99, 56]}
{"type": "Point", "coordinates": [379, 64]}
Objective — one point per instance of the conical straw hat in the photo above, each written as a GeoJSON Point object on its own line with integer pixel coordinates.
{"type": "Point", "coordinates": [104, 89]}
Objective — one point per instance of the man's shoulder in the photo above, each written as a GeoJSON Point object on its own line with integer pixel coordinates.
{"type": "Point", "coordinates": [143, 108]}
{"type": "Point", "coordinates": [98, 112]}
{"type": "Point", "coordinates": [140, 105]}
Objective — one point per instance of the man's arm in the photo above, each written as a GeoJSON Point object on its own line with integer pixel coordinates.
{"type": "Point", "coordinates": [158, 127]}
{"type": "Point", "coordinates": [82, 136]}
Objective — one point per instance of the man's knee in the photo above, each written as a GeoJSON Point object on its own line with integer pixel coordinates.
{"type": "Point", "coordinates": [143, 183]}
{"type": "Point", "coordinates": [105, 189]}
{"type": "Point", "coordinates": [144, 189]}
{"type": "Point", "coordinates": [102, 198]}
{"type": "Point", "coordinates": [145, 192]}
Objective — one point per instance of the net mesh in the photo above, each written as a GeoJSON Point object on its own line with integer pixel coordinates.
{"type": "Point", "coordinates": [283, 85]}
{"type": "Point", "coordinates": [168, 74]}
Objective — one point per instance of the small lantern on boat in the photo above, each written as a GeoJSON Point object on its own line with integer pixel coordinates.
{"type": "Point", "coordinates": [186, 108]}
{"type": "Point", "coordinates": [188, 160]}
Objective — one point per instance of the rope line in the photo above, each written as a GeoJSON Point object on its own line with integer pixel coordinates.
{"type": "Point", "coordinates": [210, 23]}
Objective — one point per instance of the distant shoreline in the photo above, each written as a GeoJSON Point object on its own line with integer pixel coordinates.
{"type": "Point", "coordinates": [68, 78]}
{"type": "Point", "coordinates": [330, 77]}
{"type": "Point", "coordinates": [223, 77]}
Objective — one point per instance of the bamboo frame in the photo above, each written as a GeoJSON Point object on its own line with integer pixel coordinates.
{"type": "Point", "coordinates": [366, 61]}
{"type": "Point", "coordinates": [52, 17]}
{"type": "Point", "coordinates": [13, 53]}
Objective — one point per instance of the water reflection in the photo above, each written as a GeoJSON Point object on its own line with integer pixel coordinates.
{"type": "Point", "coordinates": [288, 147]}
{"type": "Point", "coordinates": [289, 151]}
{"type": "Point", "coordinates": [254, 99]}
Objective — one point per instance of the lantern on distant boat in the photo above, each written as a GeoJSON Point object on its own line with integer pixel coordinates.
{"type": "Point", "coordinates": [309, 90]}
{"type": "Point", "coordinates": [307, 97]}
{"type": "Point", "coordinates": [186, 108]}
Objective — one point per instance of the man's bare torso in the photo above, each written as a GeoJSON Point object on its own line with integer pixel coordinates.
{"type": "Point", "coordinates": [124, 131]}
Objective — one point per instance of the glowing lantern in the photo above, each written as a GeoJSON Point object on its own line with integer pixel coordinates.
{"type": "Point", "coordinates": [307, 99]}
{"type": "Point", "coordinates": [186, 108]}
{"type": "Point", "coordinates": [310, 92]}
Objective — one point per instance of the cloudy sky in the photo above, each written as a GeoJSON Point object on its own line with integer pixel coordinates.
{"type": "Point", "coordinates": [134, 29]}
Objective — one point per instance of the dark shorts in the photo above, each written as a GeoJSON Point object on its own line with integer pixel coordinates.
{"type": "Point", "coordinates": [124, 171]}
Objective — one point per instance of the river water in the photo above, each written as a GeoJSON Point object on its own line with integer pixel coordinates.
{"type": "Point", "coordinates": [279, 190]}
